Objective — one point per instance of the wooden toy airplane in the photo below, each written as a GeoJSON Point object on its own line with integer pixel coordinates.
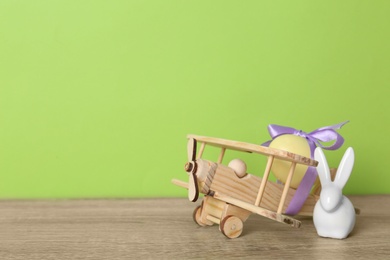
{"type": "Point", "coordinates": [232, 195]}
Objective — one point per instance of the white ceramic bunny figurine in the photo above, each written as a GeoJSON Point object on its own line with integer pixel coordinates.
{"type": "Point", "coordinates": [334, 214]}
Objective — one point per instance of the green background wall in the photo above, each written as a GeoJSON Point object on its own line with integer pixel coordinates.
{"type": "Point", "coordinates": [97, 97]}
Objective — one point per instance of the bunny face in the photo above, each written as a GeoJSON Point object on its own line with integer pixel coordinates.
{"type": "Point", "coordinates": [330, 198]}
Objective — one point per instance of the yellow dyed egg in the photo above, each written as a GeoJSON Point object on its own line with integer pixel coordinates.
{"type": "Point", "coordinates": [294, 144]}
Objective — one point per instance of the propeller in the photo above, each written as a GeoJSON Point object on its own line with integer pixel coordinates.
{"type": "Point", "coordinates": [190, 167]}
{"type": "Point", "coordinates": [191, 149]}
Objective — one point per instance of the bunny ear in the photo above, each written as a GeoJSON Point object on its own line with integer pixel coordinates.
{"type": "Point", "coordinates": [345, 168]}
{"type": "Point", "coordinates": [322, 168]}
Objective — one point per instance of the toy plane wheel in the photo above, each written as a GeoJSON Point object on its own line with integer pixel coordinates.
{"type": "Point", "coordinates": [196, 216]}
{"type": "Point", "coordinates": [231, 226]}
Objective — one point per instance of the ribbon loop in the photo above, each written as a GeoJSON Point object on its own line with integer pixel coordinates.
{"type": "Point", "coordinates": [323, 134]}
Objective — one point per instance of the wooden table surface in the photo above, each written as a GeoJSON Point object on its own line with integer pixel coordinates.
{"type": "Point", "coordinates": [164, 229]}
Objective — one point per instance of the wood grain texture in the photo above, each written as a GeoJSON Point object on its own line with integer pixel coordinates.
{"type": "Point", "coordinates": [164, 229]}
{"type": "Point", "coordinates": [246, 189]}
{"type": "Point", "coordinates": [252, 148]}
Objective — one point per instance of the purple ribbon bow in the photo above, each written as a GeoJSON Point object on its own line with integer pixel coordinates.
{"type": "Point", "coordinates": [314, 138]}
